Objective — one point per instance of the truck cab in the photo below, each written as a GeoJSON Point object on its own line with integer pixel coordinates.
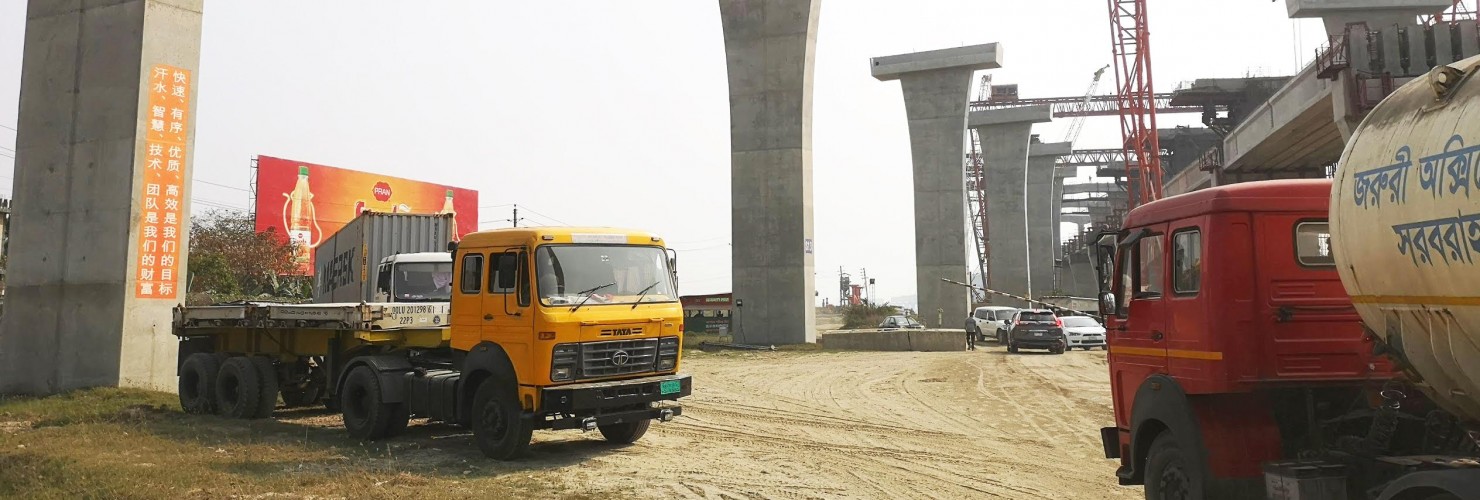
{"type": "Point", "coordinates": [565, 328]}
{"type": "Point", "coordinates": [414, 277]}
{"type": "Point", "coordinates": [1222, 308]}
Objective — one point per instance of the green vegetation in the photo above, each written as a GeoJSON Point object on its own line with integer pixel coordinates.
{"type": "Point", "coordinates": [867, 316]}
{"type": "Point", "coordinates": [230, 261]}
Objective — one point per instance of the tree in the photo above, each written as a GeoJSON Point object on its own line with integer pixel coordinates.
{"type": "Point", "coordinates": [230, 260]}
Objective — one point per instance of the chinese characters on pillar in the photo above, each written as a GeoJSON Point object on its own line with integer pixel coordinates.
{"type": "Point", "coordinates": [161, 221]}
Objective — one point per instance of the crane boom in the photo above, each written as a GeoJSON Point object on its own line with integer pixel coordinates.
{"type": "Point", "coordinates": [1131, 47]}
{"type": "Point", "coordinates": [1077, 126]}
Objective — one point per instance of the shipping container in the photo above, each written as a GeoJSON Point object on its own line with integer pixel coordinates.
{"type": "Point", "coordinates": [346, 263]}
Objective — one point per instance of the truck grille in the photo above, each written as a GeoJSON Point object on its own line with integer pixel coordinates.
{"type": "Point", "coordinates": [604, 359]}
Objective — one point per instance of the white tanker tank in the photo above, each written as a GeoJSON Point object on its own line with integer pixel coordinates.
{"type": "Point", "coordinates": [1405, 225]}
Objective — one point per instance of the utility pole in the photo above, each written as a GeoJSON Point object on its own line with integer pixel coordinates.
{"type": "Point", "coordinates": [516, 215]}
{"type": "Point", "coordinates": [868, 295]}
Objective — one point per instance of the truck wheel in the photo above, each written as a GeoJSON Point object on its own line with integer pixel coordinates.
{"type": "Point", "coordinates": [312, 392]}
{"type": "Point", "coordinates": [626, 432]}
{"type": "Point", "coordinates": [365, 416]}
{"type": "Point", "coordinates": [238, 388]}
{"type": "Point", "coordinates": [198, 383]}
{"type": "Point", "coordinates": [497, 427]}
{"type": "Point", "coordinates": [1169, 475]}
{"type": "Point", "coordinates": [267, 385]}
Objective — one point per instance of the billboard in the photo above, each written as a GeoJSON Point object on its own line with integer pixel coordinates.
{"type": "Point", "coordinates": [309, 203]}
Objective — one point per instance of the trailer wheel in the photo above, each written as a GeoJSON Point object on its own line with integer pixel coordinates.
{"type": "Point", "coordinates": [365, 416]}
{"type": "Point", "coordinates": [267, 385]}
{"type": "Point", "coordinates": [238, 388]}
{"type": "Point", "coordinates": [198, 383]}
{"type": "Point", "coordinates": [497, 427]}
{"type": "Point", "coordinates": [1169, 475]}
{"type": "Point", "coordinates": [626, 432]}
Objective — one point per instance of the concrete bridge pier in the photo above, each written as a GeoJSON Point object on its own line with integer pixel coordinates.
{"type": "Point", "coordinates": [1039, 202]}
{"type": "Point", "coordinates": [1005, 140]}
{"type": "Point", "coordinates": [937, 86]}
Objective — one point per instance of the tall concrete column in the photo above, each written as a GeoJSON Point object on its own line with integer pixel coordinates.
{"type": "Point", "coordinates": [769, 47]}
{"type": "Point", "coordinates": [103, 155]}
{"type": "Point", "coordinates": [1059, 174]}
{"type": "Point", "coordinates": [937, 86]}
{"type": "Point", "coordinates": [1005, 135]}
{"type": "Point", "coordinates": [1039, 200]}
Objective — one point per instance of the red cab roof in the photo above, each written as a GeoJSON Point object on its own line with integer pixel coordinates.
{"type": "Point", "coordinates": [1293, 195]}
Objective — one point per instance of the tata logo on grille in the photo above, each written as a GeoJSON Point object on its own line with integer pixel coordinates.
{"type": "Point", "coordinates": [620, 358]}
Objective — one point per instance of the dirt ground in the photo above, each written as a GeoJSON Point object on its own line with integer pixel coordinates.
{"type": "Point", "coordinates": [759, 425]}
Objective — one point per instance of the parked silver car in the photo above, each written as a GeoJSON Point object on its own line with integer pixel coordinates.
{"type": "Point", "coordinates": [1084, 332]}
{"type": "Point", "coordinates": [893, 322]}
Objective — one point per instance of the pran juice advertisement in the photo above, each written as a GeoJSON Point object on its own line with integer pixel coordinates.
{"type": "Point", "coordinates": [310, 202]}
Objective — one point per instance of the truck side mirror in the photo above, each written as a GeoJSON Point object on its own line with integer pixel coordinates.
{"type": "Point", "coordinates": [1107, 304]}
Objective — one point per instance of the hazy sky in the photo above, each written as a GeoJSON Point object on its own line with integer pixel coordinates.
{"type": "Point", "coordinates": [615, 113]}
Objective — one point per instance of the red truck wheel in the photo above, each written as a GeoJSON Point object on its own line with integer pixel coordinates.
{"type": "Point", "coordinates": [1169, 476]}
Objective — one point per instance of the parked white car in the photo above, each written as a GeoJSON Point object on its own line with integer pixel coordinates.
{"type": "Point", "coordinates": [1084, 332]}
{"type": "Point", "coordinates": [991, 321]}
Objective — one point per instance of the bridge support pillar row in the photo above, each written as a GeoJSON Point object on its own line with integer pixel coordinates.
{"type": "Point", "coordinates": [1005, 136]}
{"type": "Point", "coordinates": [937, 87]}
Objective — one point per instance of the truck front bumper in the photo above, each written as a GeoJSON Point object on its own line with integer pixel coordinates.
{"type": "Point", "coordinates": [590, 398]}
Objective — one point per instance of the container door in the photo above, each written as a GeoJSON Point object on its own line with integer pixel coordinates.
{"type": "Point", "coordinates": [1138, 344]}
{"type": "Point", "coordinates": [508, 318]}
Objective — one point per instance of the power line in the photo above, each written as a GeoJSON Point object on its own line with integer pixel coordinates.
{"type": "Point", "coordinates": [223, 185]}
{"type": "Point", "coordinates": [12, 129]}
{"type": "Point", "coordinates": [536, 212]}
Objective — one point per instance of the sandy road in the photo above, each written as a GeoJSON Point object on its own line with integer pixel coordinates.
{"type": "Point", "coordinates": [872, 425]}
{"type": "Point", "coordinates": [948, 425]}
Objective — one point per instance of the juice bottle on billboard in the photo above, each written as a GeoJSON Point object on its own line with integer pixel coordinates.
{"type": "Point", "coordinates": [299, 218]}
{"type": "Point", "coordinates": [447, 209]}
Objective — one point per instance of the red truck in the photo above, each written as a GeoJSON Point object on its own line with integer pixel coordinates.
{"type": "Point", "coordinates": [1308, 339]}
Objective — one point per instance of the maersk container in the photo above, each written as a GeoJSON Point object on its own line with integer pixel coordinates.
{"type": "Point", "coordinates": [345, 264]}
{"type": "Point", "coordinates": [1405, 230]}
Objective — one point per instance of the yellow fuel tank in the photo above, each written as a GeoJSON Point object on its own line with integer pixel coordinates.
{"type": "Point", "coordinates": [1405, 229]}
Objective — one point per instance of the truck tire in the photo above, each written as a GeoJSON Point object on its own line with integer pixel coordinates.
{"type": "Point", "coordinates": [626, 432]}
{"type": "Point", "coordinates": [238, 388]}
{"type": "Point", "coordinates": [498, 426]}
{"type": "Point", "coordinates": [1169, 475]}
{"type": "Point", "coordinates": [365, 416]}
{"type": "Point", "coordinates": [198, 383]}
{"type": "Point", "coordinates": [312, 392]}
{"type": "Point", "coordinates": [267, 386]}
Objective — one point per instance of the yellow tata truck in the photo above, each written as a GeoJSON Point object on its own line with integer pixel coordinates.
{"type": "Point", "coordinates": [545, 328]}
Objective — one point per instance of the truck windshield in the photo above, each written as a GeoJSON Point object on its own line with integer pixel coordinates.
{"type": "Point", "coordinates": [423, 282]}
{"type": "Point", "coordinates": [613, 274]}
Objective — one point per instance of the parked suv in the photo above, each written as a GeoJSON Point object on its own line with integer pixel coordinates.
{"type": "Point", "coordinates": [992, 321]}
{"type": "Point", "coordinates": [1036, 329]}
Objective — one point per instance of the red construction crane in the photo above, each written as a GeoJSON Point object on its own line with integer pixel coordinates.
{"type": "Point", "coordinates": [1131, 47]}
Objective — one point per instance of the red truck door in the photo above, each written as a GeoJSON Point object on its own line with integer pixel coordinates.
{"type": "Point", "coordinates": [1138, 345]}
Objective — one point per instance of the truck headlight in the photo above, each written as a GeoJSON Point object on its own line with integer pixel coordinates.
{"type": "Point", "coordinates": [667, 353]}
{"type": "Point", "coordinates": [563, 362]}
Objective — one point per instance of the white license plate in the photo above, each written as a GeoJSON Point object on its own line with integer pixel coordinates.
{"type": "Point", "coordinates": [1037, 334]}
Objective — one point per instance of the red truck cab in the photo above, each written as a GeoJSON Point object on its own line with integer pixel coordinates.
{"type": "Point", "coordinates": [1222, 308]}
